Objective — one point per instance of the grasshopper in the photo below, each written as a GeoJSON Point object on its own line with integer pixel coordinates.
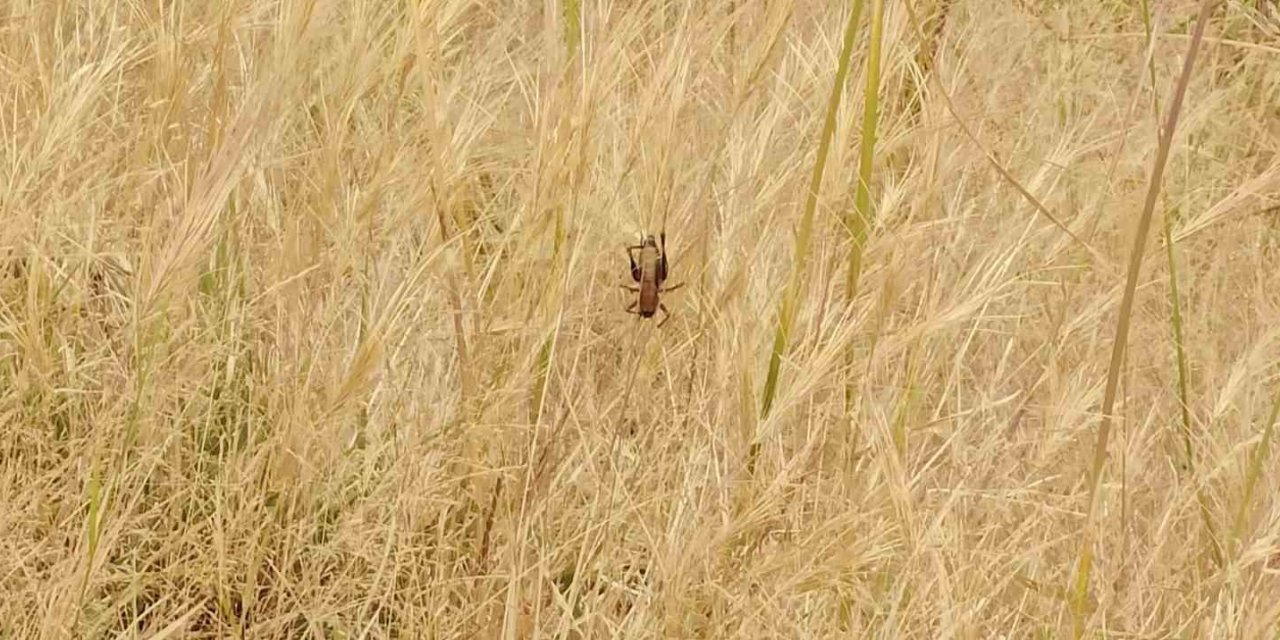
{"type": "Point", "coordinates": [649, 268]}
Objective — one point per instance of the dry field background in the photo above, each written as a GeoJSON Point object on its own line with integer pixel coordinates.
{"type": "Point", "coordinates": [310, 323]}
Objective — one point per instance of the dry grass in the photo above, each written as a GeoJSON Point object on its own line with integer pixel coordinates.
{"type": "Point", "coordinates": [310, 326]}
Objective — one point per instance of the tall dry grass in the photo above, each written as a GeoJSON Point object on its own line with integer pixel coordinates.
{"type": "Point", "coordinates": [310, 325]}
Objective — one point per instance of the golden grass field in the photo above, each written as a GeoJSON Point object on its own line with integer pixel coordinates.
{"type": "Point", "coordinates": [311, 323]}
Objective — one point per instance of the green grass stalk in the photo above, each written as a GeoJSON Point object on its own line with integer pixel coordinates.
{"type": "Point", "coordinates": [572, 26]}
{"type": "Point", "coordinates": [1184, 394]}
{"type": "Point", "coordinates": [1252, 473]}
{"type": "Point", "coordinates": [861, 218]}
{"type": "Point", "coordinates": [795, 288]}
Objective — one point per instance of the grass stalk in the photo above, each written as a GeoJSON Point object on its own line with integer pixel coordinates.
{"type": "Point", "coordinates": [1080, 592]}
{"type": "Point", "coordinates": [572, 26]}
{"type": "Point", "coordinates": [1256, 461]}
{"type": "Point", "coordinates": [799, 269]}
{"type": "Point", "coordinates": [1179, 341]}
{"type": "Point", "coordinates": [1184, 394]}
{"type": "Point", "coordinates": [1176, 325]}
{"type": "Point", "coordinates": [862, 217]}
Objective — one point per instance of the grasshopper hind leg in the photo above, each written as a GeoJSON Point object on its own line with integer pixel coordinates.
{"type": "Point", "coordinates": [666, 315]}
{"type": "Point", "coordinates": [663, 265]}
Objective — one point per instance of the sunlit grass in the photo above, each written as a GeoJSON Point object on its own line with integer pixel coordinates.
{"type": "Point", "coordinates": [311, 325]}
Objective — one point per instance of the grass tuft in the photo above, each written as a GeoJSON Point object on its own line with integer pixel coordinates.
{"type": "Point", "coordinates": [311, 325]}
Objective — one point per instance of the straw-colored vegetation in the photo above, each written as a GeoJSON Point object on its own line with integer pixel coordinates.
{"type": "Point", "coordinates": [310, 324]}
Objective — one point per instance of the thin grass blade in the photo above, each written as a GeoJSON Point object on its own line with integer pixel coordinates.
{"type": "Point", "coordinates": [1079, 599]}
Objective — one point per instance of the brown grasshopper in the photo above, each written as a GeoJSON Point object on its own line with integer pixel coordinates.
{"type": "Point", "coordinates": [650, 270]}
